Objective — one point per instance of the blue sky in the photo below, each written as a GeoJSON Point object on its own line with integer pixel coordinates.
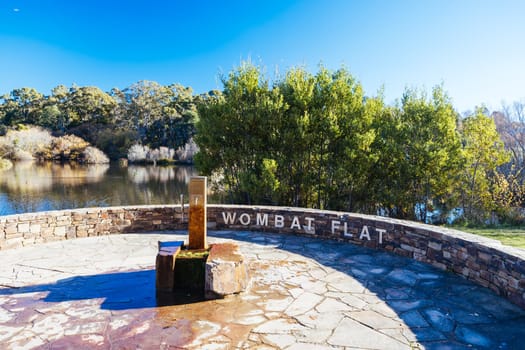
{"type": "Point", "coordinates": [476, 48]}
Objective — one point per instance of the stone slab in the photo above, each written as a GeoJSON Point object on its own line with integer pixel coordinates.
{"type": "Point", "coordinates": [165, 265]}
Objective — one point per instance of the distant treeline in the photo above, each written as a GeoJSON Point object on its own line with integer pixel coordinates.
{"type": "Point", "coordinates": [302, 139]}
{"type": "Point", "coordinates": [144, 113]}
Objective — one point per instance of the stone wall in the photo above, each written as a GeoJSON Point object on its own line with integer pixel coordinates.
{"type": "Point", "coordinates": [482, 260]}
{"type": "Point", "coordinates": [26, 229]}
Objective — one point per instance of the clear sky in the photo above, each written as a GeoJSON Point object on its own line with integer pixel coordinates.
{"type": "Point", "coordinates": [476, 48]}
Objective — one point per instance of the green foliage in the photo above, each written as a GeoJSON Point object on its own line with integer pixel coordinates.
{"type": "Point", "coordinates": [115, 143]}
{"type": "Point", "coordinates": [145, 112]}
{"type": "Point", "coordinates": [21, 106]}
{"type": "Point", "coordinates": [307, 140]}
{"type": "Point", "coordinates": [483, 153]}
{"type": "Point", "coordinates": [425, 148]}
{"type": "Point", "coordinates": [160, 115]}
{"type": "Point", "coordinates": [236, 132]}
{"type": "Point", "coordinates": [318, 141]}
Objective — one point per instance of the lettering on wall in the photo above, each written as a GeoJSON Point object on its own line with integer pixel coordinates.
{"type": "Point", "coordinates": [302, 224]}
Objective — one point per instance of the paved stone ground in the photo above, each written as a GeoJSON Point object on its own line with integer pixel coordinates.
{"type": "Point", "coordinates": [304, 294]}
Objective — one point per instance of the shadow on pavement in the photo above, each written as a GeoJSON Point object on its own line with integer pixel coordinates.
{"type": "Point", "coordinates": [118, 290]}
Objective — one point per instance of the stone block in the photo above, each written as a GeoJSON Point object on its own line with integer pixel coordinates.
{"type": "Point", "coordinates": [35, 228]}
{"type": "Point", "coordinates": [165, 266]}
{"type": "Point", "coordinates": [11, 229]}
{"type": "Point", "coordinates": [82, 233]}
{"type": "Point", "coordinates": [434, 245]}
{"type": "Point", "coordinates": [13, 243]}
{"type": "Point", "coordinates": [71, 233]}
{"type": "Point", "coordinates": [226, 272]}
{"type": "Point", "coordinates": [23, 228]}
{"type": "Point", "coordinates": [60, 231]}
{"type": "Point", "coordinates": [46, 231]}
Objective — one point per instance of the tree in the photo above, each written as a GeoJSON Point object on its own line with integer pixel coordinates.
{"type": "Point", "coordinates": [420, 154]}
{"type": "Point", "coordinates": [510, 124]}
{"type": "Point", "coordinates": [303, 142]}
{"type": "Point", "coordinates": [175, 126]}
{"type": "Point", "coordinates": [323, 140]}
{"type": "Point", "coordinates": [483, 152]}
{"type": "Point", "coordinates": [21, 106]}
{"type": "Point", "coordinates": [235, 134]}
{"type": "Point", "coordinates": [55, 115]}
{"type": "Point", "coordinates": [161, 115]}
{"type": "Point", "coordinates": [293, 141]}
{"type": "Point", "coordinates": [343, 117]}
{"type": "Point", "coordinates": [89, 105]}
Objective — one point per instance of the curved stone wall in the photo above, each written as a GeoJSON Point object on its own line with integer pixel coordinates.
{"type": "Point", "coordinates": [484, 261]}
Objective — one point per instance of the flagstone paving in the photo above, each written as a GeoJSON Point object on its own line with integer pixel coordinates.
{"type": "Point", "coordinates": [99, 293]}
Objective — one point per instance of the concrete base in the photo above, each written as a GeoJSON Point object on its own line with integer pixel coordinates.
{"type": "Point", "coordinates": [226, 273]}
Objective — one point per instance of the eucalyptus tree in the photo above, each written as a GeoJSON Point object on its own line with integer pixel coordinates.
{"type": "Point", "coordinates": [89, 105]}
{"type": "Point", "coordinates": [54, 112]}
{"type": "Point", "coordinates": [161, 115]}
{"type": "Point", "coordinates": [21, 106]}
{"type": "Point", "coordinates": [175, 126]}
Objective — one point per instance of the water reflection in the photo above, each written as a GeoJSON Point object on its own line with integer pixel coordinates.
{"type": "Point", "coordinates": [29, 177]}
{"type": "Point", "coordinates": [29, 186]}
{"type": "Point", "coordinates": [145, 174]}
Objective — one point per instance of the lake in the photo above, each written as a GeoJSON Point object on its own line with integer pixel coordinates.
{"type": "Point", "coordinates": [31, 186]}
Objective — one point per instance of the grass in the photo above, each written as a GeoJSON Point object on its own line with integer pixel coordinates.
{"type": "Point", "coordinates": [509, 235]}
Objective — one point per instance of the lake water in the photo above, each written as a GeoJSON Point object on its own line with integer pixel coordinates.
{"type": "Point", "coordinates": [31, 187]}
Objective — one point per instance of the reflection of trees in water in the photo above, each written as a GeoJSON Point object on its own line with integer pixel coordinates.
{"type": "Point", "coordinates": [35, 177]}
{"type": "Point", "coordinates": [53, 186]}
{"type": "Point", "coordinates": [156, 185]}
{"type": "Point", "coordinates": [144, 174]}
{"type": "Point", "coordinates": [26, 177]}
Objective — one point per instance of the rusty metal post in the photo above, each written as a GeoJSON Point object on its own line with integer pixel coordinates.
{"type": "Point", "coordinates": [197, 213]}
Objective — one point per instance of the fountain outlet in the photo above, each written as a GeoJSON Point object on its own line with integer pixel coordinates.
{"type": "Point", "coordinates": [212, 271]}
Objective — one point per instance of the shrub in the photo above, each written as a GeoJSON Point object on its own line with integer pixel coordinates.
{"type": "Point", "coordinates": [68, 147]}
{"type": "Point", "coordinates": [138, 153]}
{"type": "Point", "coordinates": [5, 164]}
{"type": "Point", "coordinates": [20, 154]}
{"type": "Point", "coordinates": [24, 143]}
{"type": "Point", "coordinates": [153, 155]}
{"type": "Point", "coordinates": [115, 143]}
{"type": "Point", "coordinates": [166, 153]}
{"type": "Point", "coordinates": [93, 155]}
{"type": "Point", "coordinates": [186, 153]}
{"type": "Point", "coordinates": [30, 142]}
